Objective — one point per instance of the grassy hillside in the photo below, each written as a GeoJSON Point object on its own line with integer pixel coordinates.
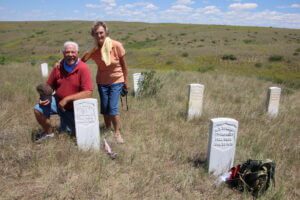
{"type": "Point", "coordinates": [163, 154]}
{"type": "Point", "coordinates": [267, 53]}
{"type": "Point", "coordinates": [160, 159]}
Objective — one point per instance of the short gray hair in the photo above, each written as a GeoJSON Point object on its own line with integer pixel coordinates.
{"type": "Point", "coordinates": [67, 43]}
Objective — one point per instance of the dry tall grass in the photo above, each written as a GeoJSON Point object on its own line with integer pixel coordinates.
{"type": "Point", "coordinates": [159, 158]}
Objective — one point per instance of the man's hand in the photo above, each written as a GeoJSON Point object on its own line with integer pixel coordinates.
{"type": "Point", "coordinates": [44, 103]}
{"type": "Point", "coordinates": [74, 97]}
{"type": "Point", "coordinates": [63, 103]}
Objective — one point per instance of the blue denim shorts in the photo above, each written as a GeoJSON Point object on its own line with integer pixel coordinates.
{"type": "Point", "coordinates": [67, 122]}
{"type": "Point", "coordinates": [109, 96]}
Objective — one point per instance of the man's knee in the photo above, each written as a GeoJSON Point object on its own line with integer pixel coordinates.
{"type": "Point", "coordinates": [36, 112]}
{"type": "Point", "coordinates": [39, 115]}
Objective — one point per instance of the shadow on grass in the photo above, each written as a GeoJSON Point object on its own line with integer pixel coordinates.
{"type": "Point", "coordinates": [199, 160]}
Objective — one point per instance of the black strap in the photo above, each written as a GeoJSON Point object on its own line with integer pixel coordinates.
{"type": "Point", "coordinates": [126, 102]}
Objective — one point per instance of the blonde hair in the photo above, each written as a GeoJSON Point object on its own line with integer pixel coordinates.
{"type": "Point", "coordinates": [96, 25]}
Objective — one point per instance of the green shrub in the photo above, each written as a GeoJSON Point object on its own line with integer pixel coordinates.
{"type": "Point", "coordinates": [2, 60]}
{"type": "Point", "coordinates": [275, 58]}
{"type": "Point", "coordinates": [157, 54]}
{"type": "Point", "coordinates": [229, 57]}
{"type": "Point", "coordinates": [150, 86]}
{"type": "Point", "coordinates": [40, 32]}
{"type": "Point", "coordinates": [33, 62]}
{"type": "Point", "coordinates": [297, 50]}
{"type": "Point", "coordinates": [141, 44]}
{"type": "Point", "coordinates": [295, 83]}
{"type": "Point", "coordinates": [258, 65]}
{"type": "Point", "coordinates": [248, 41]}
{"type": "Point", "coordinates": [206, 69]}
{"type": "Point", "coordinates": [185, 54]}
{"type": "Point", "coordinates": [53, 59]}
{"type": "Point", "coordinates": [169, 62]}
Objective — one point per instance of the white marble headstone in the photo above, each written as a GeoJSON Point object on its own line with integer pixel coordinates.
{"type": "Point", "coordinates": [87, 124]}
{"type": "Point", "coordinates": [221, 145]}
{"type": "Point", "coordinates": [195, 101]}
{"type": "Point", "coordinates": [137, 79]}
{"type": "Point", "coordinates": [44, 69]}
{"type": "Point", "coordinates": [273, 101]}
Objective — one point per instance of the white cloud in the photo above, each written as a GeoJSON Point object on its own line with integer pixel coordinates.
{"type": "Point", "coordinates": [295, 5]}
{"type": "Point", "coordinates": [93, 6]}
{"type": "Point", "coordinates": [141, 5]}
{"type": "Point", "coordinates": [264, 18]}
{"type": "Point", "coordinates": [210, 10]}
{"type": "Point", "coordinates": [273, 16]}
{"type": "Point", "coordinates": [242, 6]}
{"type": "Point", "coordinates": [138, 11]}
{"type": "Point", "coordinates": [111, 3]}
{"type": "Point", "coordinates": [150, 6]}
{"type": "Point", "coordinates": [178, 9]}
{"type": "Point", "coordinates": [105, 4]}
{"type": "Point", "coordinates": [183, 12]}
{"type": "Point", "coordinates": [184, 2]}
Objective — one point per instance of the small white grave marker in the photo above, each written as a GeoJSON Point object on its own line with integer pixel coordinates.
{"type": "Point", "coordinates": [137, 79]}
{"type": "Point", "coordinates": [44, 69]}
{"type": "Point", "coordinates": [87, 124]}
{"type": "Point", "coordinates": [195, 101]}
{"type": "Point", "coordinates": [273, 101]}
{"type": "Point", "coordinates": [221, 146]}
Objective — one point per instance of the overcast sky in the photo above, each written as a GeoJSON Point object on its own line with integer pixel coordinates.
{"type": "Point", "coordinates": [275, 13]}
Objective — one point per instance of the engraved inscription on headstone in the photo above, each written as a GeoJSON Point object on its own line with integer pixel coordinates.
{"type": "Point", "coordinates": [273, 101]}
{"type": "Point", "coordinates": [221, 147]}
{"type": "Point", "coordinates": [137, 79]}
{"type": "Point", "coordinates": [87, 124]}
{"type": "Point", "coordinates": [195, 101]}
{"type": "Point", "coordinates": [44, 69]}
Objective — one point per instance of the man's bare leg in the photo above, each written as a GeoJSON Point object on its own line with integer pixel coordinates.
{"type": "Point", "coordinates": [43, 121]}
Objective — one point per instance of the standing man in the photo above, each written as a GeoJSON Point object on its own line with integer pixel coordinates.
{"type": "Point", "coordinates": [70, 81]}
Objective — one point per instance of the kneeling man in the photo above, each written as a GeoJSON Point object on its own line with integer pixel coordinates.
{"type": "Point", "coordinates": [70, 81]}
